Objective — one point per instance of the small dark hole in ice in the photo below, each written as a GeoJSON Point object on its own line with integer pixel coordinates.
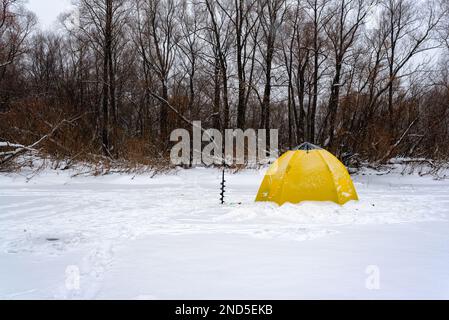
{"type": "Point", "coordinates": [52, 239]}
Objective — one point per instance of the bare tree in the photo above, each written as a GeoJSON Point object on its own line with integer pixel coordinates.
{"type": "Point", "coordinates": [347, 19]}
{"type": "Point", "coordinates": [16, 24]}
{"type": "Point", "coordinates": [443, 28]}
{"type": "Point", "coordinates": [190, 46]}
{"type": "Point", "coordinates": [219, 35]}
{"type": "Point", "coordinates": [101, 22]}
{"type": "Point", "coordinates": [297, 53]}
{"type": "Point", "coordinates": [319, 15]}
{"type": "Point", "coordinates": [244, 22]}
{"type": "Point", "coordinates": [409, 32]}
{"type": "Point", "coordinates": [272, 13]}
{"type": "Point", "coordinates": [158, 40]}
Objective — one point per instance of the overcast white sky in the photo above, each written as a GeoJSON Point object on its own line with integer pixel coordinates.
{"type": "Point", "coordinates": [48, 10]}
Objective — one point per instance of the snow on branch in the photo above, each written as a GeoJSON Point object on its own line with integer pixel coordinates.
{"type": "Point", "coordinates": [10, 145]}
{"type": "Point", "coordinates": [18, 149]}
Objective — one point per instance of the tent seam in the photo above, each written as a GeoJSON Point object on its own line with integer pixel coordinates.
{"type": "Point", "coordinates": [332, 175]}
{"type": "Point", "coordinates": [281, 189]}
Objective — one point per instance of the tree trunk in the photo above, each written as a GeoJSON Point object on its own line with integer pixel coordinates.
{"type": "Point", "coordinates": [311, 116]}
{"type": "Point", "coordinates": [107, 54]}
{"type": "Point", "coordinates": [265, 121]}
{"type": "Point", "coordinates": [217, 95]}
{"type": "Point", "coordinates": [333, 104]}
{"type": "Point", "coordinates": [163, 115]}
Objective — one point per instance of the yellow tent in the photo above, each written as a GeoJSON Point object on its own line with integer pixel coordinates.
{"type": "Point", "coordinates": [307, 174]}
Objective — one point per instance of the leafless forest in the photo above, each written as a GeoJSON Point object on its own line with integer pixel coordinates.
{"type": "Point", "coordinates": [367, 79]}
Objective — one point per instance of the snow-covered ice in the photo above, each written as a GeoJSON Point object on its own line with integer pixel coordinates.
{"type": "Point", "coordinates": [137, 237]}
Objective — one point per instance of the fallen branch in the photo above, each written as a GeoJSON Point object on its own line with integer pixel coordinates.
{"type": "Point", "coordinates": [398, 142]}
{"type": "Point", "coordinates": [20, 149]}
{"type": "Point", "coordinates": [10, 145]}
